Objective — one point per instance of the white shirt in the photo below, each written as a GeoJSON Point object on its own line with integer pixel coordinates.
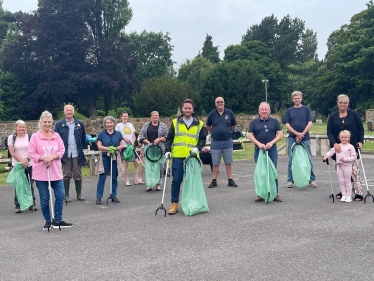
{"type": "Point", "coordinates": [127, 130]}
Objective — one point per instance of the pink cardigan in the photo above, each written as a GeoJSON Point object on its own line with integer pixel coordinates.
{"type": "Point", "coordinates": [41, 146]}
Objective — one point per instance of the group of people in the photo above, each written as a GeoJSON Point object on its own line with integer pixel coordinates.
{"type": "Point", "coordinates": [55, 156]}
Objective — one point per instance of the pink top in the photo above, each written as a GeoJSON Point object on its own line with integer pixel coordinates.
{"type": "Point", "coordinates": [21, 147]}
{"type": "Point", "coordinates": [41, 146]}
{"type": "Point", "coordinates": [347, 151]}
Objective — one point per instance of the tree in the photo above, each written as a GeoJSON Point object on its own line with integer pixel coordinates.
{"type": "Point", "coordinates": [209, 51]}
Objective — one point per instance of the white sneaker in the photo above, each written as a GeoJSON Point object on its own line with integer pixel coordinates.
{"type": "Point", "coordinates": [313, 184]}
{"type": "Point", "coordinates": [344, 197]}
{"type": "Point", "coordinates": [348, 199]}
{"type": "Point", "coordinates": [290, 184]}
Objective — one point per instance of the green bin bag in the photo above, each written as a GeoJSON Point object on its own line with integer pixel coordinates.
{"type": "Point", "coordinates": [17, 178]}
{"type": "Point", "coordinates": [154, 156]}
{"type": "Point", "coordinates": [128, 154]}
{"type": "Point", "coordinates": [265, 175]}
{"type": "Point", "coordinates": [193, 194]}
{"type": "Point", "coordinates": [300, 166]}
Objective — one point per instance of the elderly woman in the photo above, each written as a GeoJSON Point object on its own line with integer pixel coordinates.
{"type": "Point", "coordinates": [347, 119]}
{"type": "Point", "coordinates": [128, 134]}
{"type": "Point", "coordinates": [46, 149]}
{"type": "Point", "coordinates": [18, 145]}
{"type": "Point", "coordinates": [107, 138]}
{"type": "Point", "coordinates": [154, 132]}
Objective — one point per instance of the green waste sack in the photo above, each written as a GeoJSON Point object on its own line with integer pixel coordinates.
{"type": "Point", "coordinates": [265, 175]}
{"type": "Point", "coordinates": [154, 156]}
{"type": "Point", "coordinates": [128, 154]}
{"type": "Point", "coordinates": [17, 178]}
{"type": "Point", "coordinates": [193, 195]}
{"type": "Point", "coordinates": [300, 166]}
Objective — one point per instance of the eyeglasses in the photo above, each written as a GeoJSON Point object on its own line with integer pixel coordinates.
{"type": "Point", "coordinates": [266, 128]}
{"type": "Point", "coordinates": [219, 101]}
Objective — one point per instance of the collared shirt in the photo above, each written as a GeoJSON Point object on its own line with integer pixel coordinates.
{"type": "Point", "coordinates": [264, 130]}
{"type": "Point", "coordinates": [221, 124]}
{"type": "Point", "coordinates": [72, 145]}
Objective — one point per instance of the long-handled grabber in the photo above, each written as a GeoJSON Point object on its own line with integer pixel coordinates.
{"type": "Point", "coordinates": [268, 172]}
{"type": "Point", "coordinates": [332, 189]}
{"type": "Point", "coordinates": [111, 183]}
{"type": "Point", "coordinates": [33, 200]}
{"type": "Point", "coordinates": [366, 182]}
{"type": "Point", "coordinates": [51, 202]}
{"type": "Point", "coordinates": [163, 191]}
{"type": "Point", "coordinates": [137, 155]}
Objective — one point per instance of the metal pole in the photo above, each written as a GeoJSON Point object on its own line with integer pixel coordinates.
{"type": "Point", "coordinates": [266, 81]}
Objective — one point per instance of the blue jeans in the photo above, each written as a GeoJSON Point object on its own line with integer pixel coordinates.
{"type": "Point", "coordinates": [177, 173]}
{"type": "Point", "coordinates": [273, 155]}
{"type": "Point", "coordinates": [306, 143]}
{"type": "Point", "coordinates": [59, 191]}
{"type": "Point", "coordinates": [102, 178]}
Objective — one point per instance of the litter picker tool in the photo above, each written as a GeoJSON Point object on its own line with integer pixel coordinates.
{"type": "Point", "coordinates": [363, 170]}
{"type": "Point", "coordinates": [51, 202]}
{"type": "Point", "coordinates": [332, 189]}
{"type": "Point", "coordinates": [33, 201]}
{"type": "Point", "coordinates": [137, 155]}
{"type": "Point", "coordinates": [111, 153]}
{"type": "Point", "coordinates": [163, 191]}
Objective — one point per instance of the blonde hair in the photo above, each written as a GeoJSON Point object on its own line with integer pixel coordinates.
{"type": "Point", "coordinates": [343, 97]}
{"type": "Point", "coordinates": [45, 114]}
{"type": "Point", "coordinates": [345, 132]}
{"type": "Point", "coordinates": [19, 122]}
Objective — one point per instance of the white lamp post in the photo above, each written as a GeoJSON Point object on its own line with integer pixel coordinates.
{"type": "Point", "coordinates": [266, 89]}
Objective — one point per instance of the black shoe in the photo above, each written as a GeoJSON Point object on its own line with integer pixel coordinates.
{"type": "Point", "coordinates": [47, 225]}
{"type": "Point", "coordinates": [62, 224]}
{"type": "Point", "coordinates": [98, 201]}
{"type": "Point", "coordinates": [213, 184]}
{"type": "Point", "coordinates": [232, 183]}
{"type": "Point", "coordinates": [115, 199]}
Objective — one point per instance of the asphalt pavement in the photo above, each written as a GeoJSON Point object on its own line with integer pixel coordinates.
{"type": "Point", "coordinates": [305, 237]}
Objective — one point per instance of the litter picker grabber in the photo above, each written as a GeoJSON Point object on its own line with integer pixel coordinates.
{"type": "Point", "coordinates": [137, 155]}
{"type": "Point", "coordinates": [268, 172]}
{"type": "Point", "coordinates": [51, 202]}
{"type": "Point", "coordinates": [366, 182]}
{"type": "Point", "coordinates": [332, 189]}
{"type": "Point", "coordinates": [33, 201]}
{"type": "Point", "coordinates": [163, 191]}
{"type": "Point", "coordinates": [111, 183]}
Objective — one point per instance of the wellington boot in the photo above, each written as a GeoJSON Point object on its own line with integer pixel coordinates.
{"type": "Point", "coordinates": [78, 188]}
{"type": "Point", "coordinates": [67, 187]}
{"type": "Point", "coordinates": [173, 208]}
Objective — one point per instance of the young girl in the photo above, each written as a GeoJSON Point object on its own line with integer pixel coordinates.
{"type": "Point", "coordinates": [344, 162]}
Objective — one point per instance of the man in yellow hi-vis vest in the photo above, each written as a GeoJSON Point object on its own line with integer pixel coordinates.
{"type": "Point", "coordinates": [187, 135]}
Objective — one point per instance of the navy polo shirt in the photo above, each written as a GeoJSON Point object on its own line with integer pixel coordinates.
{"type": "Point", "coordinates": [109, 139]}
{"type": "Point", "coordinates": [298, 118]}
{"type": "Point", "coordinates": [264, 130]}
{"type": "Point", "coordinates": [221, 124]}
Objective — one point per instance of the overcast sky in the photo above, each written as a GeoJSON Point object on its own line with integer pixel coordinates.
{"type": "Point", "coordinates": [188, 21]}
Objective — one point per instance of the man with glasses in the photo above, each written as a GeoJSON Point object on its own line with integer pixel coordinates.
{"type": "Point", "coordinates": [264, 132]}
{"type": "Point", "coordinates": [298, 121]}
{"type": "Point", "coordinates": [220, 123]}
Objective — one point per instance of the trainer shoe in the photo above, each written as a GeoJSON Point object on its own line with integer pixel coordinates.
{"type": "Point", "coordinates": [213, 184]}
{"type": "Point", "coordinates": [290, 184]}
{"type": "Point", "coordinates": [348, 199]}
{"type": "Point", "coordinates": [62, 224]}
{"type": "Point", "coordinates": [277, 199]}
{"type": "Point", "coordinates": [47, 225]}
{"type": "Point", "coordinates": [18, 210]}
{"type": "Point", "coordinates": [116, 200]}
{"type": "Point", "coordinates": [173, 208]}
{"type": "Point", "coordinates": [313, 184]}
{"type": "Point", "coordinates": [232, 183]}
{"type": "Point", "coordinates": [344, 197]}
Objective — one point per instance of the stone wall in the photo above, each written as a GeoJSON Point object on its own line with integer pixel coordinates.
{"type": "Point", "coordinates": [369, 115]}
{"type": "Point", "coordinates": [94, 125]}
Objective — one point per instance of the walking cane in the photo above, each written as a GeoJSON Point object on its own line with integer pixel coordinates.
{"type": "Point", "coordinates": [332, 189]}
{"type": "Point", "coordinates": [51, 202]}
{"type": "Point", "coordinates": [111, 183]}
{"type": "Point", "coordinates": [163, 191]}
{"type": "Point", "coordinates": [267, 167]}
{"type": "Point", "coordinates": [366, 182]}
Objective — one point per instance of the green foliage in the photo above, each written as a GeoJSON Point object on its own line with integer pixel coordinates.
{"type": "Point", "coordinates": [100, 113]}
{"type": "Point", "coordinates": [117, 111]}
{"type": "Point", "coordinates": [209, 51]}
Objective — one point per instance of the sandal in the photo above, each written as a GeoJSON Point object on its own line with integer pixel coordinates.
{"type": "Point", "coordinates": [148, 189]}
{"type": "Point", "coordinates": [359, 198]}
{"type": "Point", "coordinates": [158, 188]}
{"type": "Point", "coordinates": [338, 196]}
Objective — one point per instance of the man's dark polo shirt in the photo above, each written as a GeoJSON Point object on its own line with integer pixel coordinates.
{"type": "Point", "coordinates": [221, 124]}
{"type": "Point", "coordinates": [264, 130]}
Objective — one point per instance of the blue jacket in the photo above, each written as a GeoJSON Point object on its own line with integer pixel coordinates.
{"type": "Point", "coordinates": [80, 138]}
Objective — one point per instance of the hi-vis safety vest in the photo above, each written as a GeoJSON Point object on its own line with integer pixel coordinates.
{"type": "Point", "coordinates": [184, 140]}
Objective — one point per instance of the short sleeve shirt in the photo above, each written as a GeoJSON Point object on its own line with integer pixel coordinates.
{"type": "Point", "coordinates": [221, 124]}
{"type": "Point", "coordinates": [126, 130]}
{"type": "Point", "coordinates": [21, 147]}
{"type": "Point", "coordinates": [264, 130]}
{"type": "Point", "coordinates": [298, 118]}
{"type": "Point", "coordinates": [109, 139]}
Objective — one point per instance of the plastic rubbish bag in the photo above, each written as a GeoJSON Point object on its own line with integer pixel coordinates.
{"type": "Point", "coordinates": [265, 175]}
{"type": "Point", "coordinates": [154, 156]}
{"type": "Point", "coordinates": [17, 178]}
{"type": "Point", "coordinates": [128, 154]}
{"type": "Point", "coordinates": [300, 165]}
{"type": "Point", "coordinates": [193, 195]}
